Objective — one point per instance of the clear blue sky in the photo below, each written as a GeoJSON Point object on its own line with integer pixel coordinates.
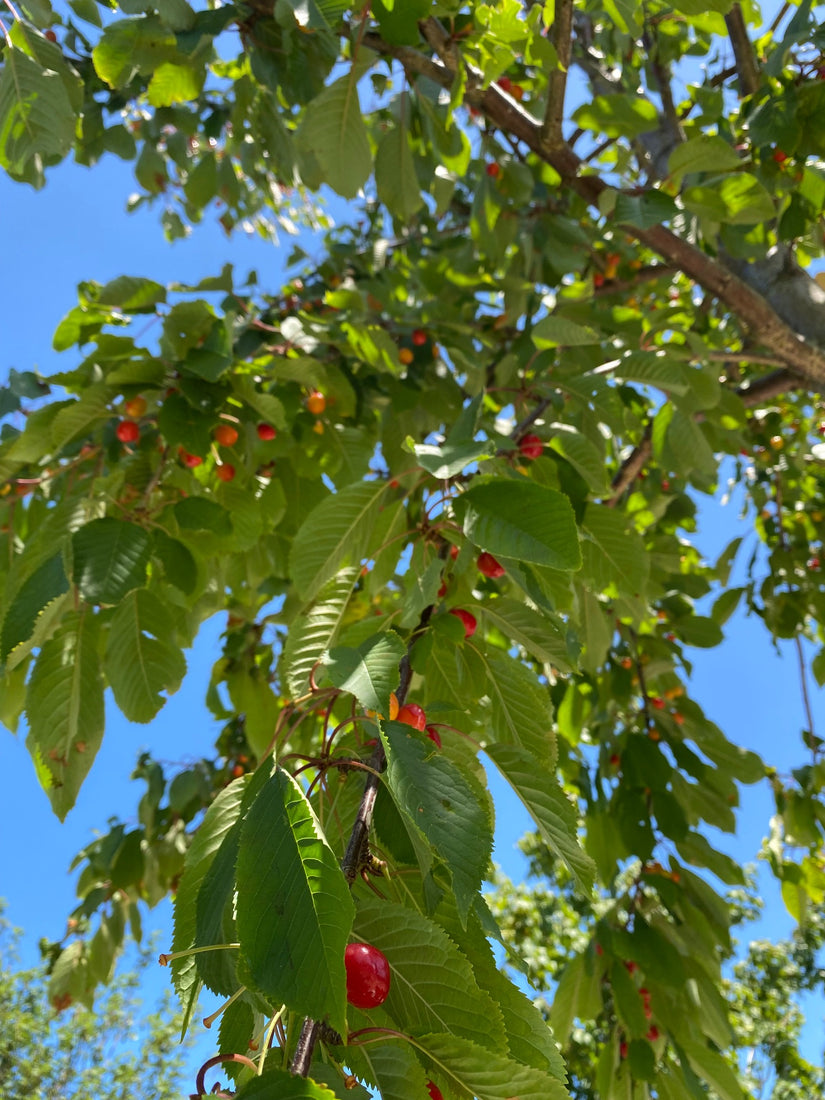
{"type": "Point", "coordinates": [77, 228]}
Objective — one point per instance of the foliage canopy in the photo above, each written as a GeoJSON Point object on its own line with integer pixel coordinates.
{"type": "Point", "coordinates": [573, 291]}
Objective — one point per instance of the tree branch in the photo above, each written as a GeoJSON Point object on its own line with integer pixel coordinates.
{"type": "Point", "coordinates": [742, 51]}
{"type": "Point", "coordinates": [754, 311]}
{"type": "Point", "coordinates": [562, 38]}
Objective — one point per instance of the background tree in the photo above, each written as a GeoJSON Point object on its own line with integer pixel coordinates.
{"type": "Point", "coordinates": [447, 476]}
{"type": "Point", "coordinates": [544, 921]}
{"type": "Point", "coordinates": [50, 1050]}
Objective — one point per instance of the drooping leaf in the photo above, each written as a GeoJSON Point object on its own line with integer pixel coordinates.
{"type": "Point", "coordinates": [220, 818]}
{"type": "Point", "coordinates": [553, 813]}
{"type": "Point", "coordinates": [335, 533]}
{"type": "Point", "coordinates": [294, 907]}
{"type": "Point", "coordinates": [440, 803]}
{"type": "Point", "coordinates": [315, 630]}
{"type": "Point", "coordinates": [141, 660]}
{"type": "Point", "coordinates": [64, 704]}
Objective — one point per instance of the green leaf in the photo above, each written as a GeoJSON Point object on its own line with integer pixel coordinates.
{"type": "Point", "coordinates": [578, 996]}
{"type": "Point", "coordinates": [522, 714]}
{"type": "Point", "coordinates": [713, 1069]}
{"type": "Point", "coordinates": [132, 294]}
{"type": "Point", "coordinates": [555, 331]}
{"type": "Point", "coordinates": [612, 553]}
{"type": "Point", "coordinates": [450, 459]}
{"type": "Point", "coordinates": [221, 817]}
{"type": "Point", "coordinates": [522, 520]}
{"type": "Point", "coordinates": [178, 563]}
{"type": "Point", "coordinates": [700, 631]}
{"type": "Point", "coordinates": [432, 983]}
{"type": "Point", "coordinates": [284, 1085]}
{"type": "Point", "coordinates": [335, 533]}
{"type": "Point", "coordinates": [583, 455]}
{"type": "Point", "coordinates": [438, 800]}
{"type": "Point", "coordinates": [64, 704]}
{"type": "Point", "coordinates": [473, 1070]}
{"type": "Point", "coordinates": [395, 178]}
{"type": "Point", "coordinates": [702, 153]}
{"type": "Point", "coordinates": [46, 584]}
{"type": "Point", "coordinates": [201, 514]}
{"type": "Point", "coordinates": [333, 130]}
{"type": "Point", "coordinates": [539, 634]}
{"type": "Point", "coordinates": [617, 115]}
{"type": "Point", "coordinates": [369, 672]}
{"type": "Point", "coordinates": [294, 908]}
{"type": "Point", "coordinates": [37, 119]}
{"type": "Point", "coordinates": [130, 46]}
{"type": "Point", "coordinates": [141, 661]}
{"type": "Point", "coordinates": [545, 801]}
{"type": "Point", "coordinates": [175, 83]}
{"type": "Point", "coordinates": [314, 631]}
{"type": "Point", "coordinates": [109, 559]}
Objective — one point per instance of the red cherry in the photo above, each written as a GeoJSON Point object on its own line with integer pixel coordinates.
{"type": "Point", "coordinates": [623, 1049]}
{"type": "Point", "coordinates": [190, 460]}
{"type": "Point", "coordinates": [493, 170]}
{"type": "Point", "coordinates": [488, 565]}
{"type": "Point", "coordinates": [419, 337]}
{"type": "Point", "coordinates": [50, 35]}
{"type": "Point", "coordinates": [658, 703]}
{"type": "Point", "coordinates": [225, 472]}
{"type": "Point", "coordinates": [780, 156]}
{"type": "Point", "coordinates": [368, 975]}
{"type": "Point", "coordinates": [615, 760]}
{"type": "Point", "coordinates": [531, 446]}
{"type": "Point", "coordinates": [598, 279]}
{"type": "Point", "coordinates": [434, 1091]}
{"type": "Point", "coordinates": [442, 590]}
{"type": "Point", "coordinates": [653, 1034]}
{"type": "Point", "coordinates": [453, 552]}
{"type": "Point", "coordinates": [434, 736]}
{"type": "Point", "coordinates": [226, 435]}
{"type": "Point", "coordinates": [127, 431]}
{"type": "Point", "coordinates": [265, 432]}
{"type": "Point", "coordinates": [505, 83]}
{"type": "Point", "coordinates": [412, 715]}
{"type": "Point", "coordinates": [665, 485]}
{"type": "Point", "coordinates": [470, 622]}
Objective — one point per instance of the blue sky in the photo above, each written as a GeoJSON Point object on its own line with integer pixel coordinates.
{"type": "Point", "coordinates": [77, 228]}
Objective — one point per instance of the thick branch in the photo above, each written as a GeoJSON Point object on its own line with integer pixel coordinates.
{"type": "Point", "coordinates": [756, 393]}
{"type": "Point", "coordinates": [750, 307]}
{"type": "Point", "coordinates": [742, 51]}
{"type": "Point", "coordinates": [562, 37]}
{"type": "Point", "coordinates": [631, 467]}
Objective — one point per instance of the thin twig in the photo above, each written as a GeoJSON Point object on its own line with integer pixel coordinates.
{"type": "Point", "coordinates": [631, 467]}
{"type": "Point", "coordinates": [742, 51]}
{"type": "Point", "coordinates": [562, 38]}
{"type": "Point", "coordinates": [803, 680]}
